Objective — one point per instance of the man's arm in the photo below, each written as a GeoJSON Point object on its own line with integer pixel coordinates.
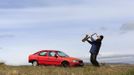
{"type": "Point", "coordinates": [89, 41]}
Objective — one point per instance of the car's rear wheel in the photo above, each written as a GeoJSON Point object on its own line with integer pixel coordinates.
{"type": "Point", "coordinates": [35, 63]}
{"type": "Point", "coordinates": [65, 64]}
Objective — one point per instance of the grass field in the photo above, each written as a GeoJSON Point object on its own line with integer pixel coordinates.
{"type": "Point", "coordinates": [114, 69]}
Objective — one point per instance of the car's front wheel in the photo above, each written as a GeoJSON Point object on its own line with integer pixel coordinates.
{"type": "Point", "coordinates": [65, 64]}
{"type": "Point", "coordinates": [35, 63]}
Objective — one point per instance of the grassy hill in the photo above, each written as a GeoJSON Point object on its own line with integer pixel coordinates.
{"type": "Point", "coordinates": [109, 69]}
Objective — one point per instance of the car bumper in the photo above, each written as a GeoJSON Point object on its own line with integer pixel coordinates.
{"type": "Point", "coordinates": [77, 63]}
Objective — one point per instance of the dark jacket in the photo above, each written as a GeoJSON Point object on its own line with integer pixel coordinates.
{"type": "Point", "coordinates": [95, 46]}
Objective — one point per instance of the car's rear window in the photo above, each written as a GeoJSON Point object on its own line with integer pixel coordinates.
{"type": "Point", "coordinates": [43, 53]}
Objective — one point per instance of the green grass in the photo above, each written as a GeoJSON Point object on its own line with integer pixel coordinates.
{"type": "Point", "coordinates": [117, 69]}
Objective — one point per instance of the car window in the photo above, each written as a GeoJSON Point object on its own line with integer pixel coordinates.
{"type": "Point", "coordinates": [52, 54]}
{"type": "Point", "coordinates": [62, 54]}
{"type": "Point", "coordinates": [43, 53]}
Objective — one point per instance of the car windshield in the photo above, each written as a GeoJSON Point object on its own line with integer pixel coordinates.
{"type": "Point", "coordinates": [62, 54]}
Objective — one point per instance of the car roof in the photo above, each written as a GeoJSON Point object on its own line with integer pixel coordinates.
{"type": "Point", "coordinates": [46, 51]}
{"type": "Point", "coordinates": [49, 50]}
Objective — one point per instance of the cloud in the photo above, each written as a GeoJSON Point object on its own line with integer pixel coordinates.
{"type": "Point", "coordinates": [84, 11]}
{"type": "Point", "coordinates": [127, 27]}
{"type": "Point", "coordinates": [1, 48]}
{"type": "Point", "coordinates": [6, 36]}
{"type": "Point", "coordinates": [103, 28]}
{"type": "Point", "coordinates": [47, 3]}
{"type": "Point", "coordinates": [28, 17]}
{"type": "Point", "coordinates": [39, 27]}
{"type": "Point", "coordinates": [36, 3]}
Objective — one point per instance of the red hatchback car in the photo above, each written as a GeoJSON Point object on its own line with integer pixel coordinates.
{"type": "Point", "coordinates": [54, 57]}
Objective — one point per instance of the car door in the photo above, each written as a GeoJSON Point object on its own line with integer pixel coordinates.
{"type": "Point", "coordinates": [53, 60]}
{"type": "Point", "coordinates": [43, 58]}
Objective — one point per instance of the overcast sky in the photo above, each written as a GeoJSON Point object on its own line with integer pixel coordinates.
{"type": "Point", "coordinates": [27, 26]}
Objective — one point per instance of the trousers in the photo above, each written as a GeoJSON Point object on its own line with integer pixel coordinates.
{"type": "Point", "coordinates": [93, 60]}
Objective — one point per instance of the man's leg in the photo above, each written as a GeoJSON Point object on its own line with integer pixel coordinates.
{"type": "Point", "coordinates": [93, 60]}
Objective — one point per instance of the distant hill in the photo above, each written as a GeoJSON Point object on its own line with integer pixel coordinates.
{"type": "Point", "coordinates": [125, 59]}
